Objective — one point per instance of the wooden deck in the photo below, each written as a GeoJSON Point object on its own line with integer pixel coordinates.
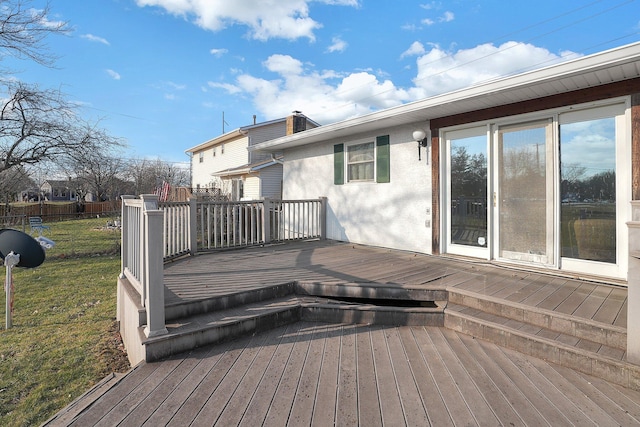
{"type": "Point", "coordinates": [329, 261]}
{"type": "Point", "coordinates": [327, 374]}
{"type": "Point", "coordinates": [307, 374]}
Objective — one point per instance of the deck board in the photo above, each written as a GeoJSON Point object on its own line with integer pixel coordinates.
{"type": "Point", "coordinates": [324, 409]}
{"type": "Point", "coordinates": [310, 374]}
{"type": "Point", "coordinates": [322, 374]}
{"type": "Point", "coordinates": [390, 404]}
{"type": "Point", "coordinates": [368, 395]}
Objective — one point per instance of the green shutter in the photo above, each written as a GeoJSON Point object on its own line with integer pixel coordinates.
{"type": "Point", "coordinates": [338, 164]}
{"type": "Point", "coordinates": [382, 159]}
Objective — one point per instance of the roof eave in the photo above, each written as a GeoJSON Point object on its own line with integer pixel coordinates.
{"type": "Point", "coordinates": [459, 101]}
{"type": "Point", "coordinates": [217, 140]}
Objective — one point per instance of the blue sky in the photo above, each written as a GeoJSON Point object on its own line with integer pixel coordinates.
{"type": "Point", "coordinates": [161, 73]}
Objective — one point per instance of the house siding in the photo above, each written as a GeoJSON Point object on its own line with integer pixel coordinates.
{"type": "Point", "coordinates": [271, 181]}
{"type": "Point", "coordinates": [395, 215]}
{"type": "Point", "coordinates": [251, 188]}
{"type": "Point", "coordinates": [262, 134]}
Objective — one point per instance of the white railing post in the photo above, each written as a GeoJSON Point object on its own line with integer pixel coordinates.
{"type": "Point", "coordinates": [633, 289]}
{"type": "Point", "coordinates": [323, 218]}
{"type": "Point", "coordinates": [193, 227]}
{"type": "Point", "coordinates": [124, 234]}
{"type": "Point", "coordinates": [153, 281]}
{"type": "Point", "coordinates": [267, 207]}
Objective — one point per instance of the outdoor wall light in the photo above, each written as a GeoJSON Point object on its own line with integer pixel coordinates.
{"type": "Point", "coordinates": [422, 138]}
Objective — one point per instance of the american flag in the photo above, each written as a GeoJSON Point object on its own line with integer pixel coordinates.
{"type": "Point", "coordinates": [163, 191]}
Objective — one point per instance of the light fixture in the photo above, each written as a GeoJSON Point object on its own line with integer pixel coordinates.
{"type": "Point", "coordinates": [422, 138]}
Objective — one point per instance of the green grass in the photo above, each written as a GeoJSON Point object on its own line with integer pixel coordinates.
{"type": "Point", "coordinates": [64, 313]}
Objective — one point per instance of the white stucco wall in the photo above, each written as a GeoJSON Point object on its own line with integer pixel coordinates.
{"type": "Point", "coordinates": [394, 215]}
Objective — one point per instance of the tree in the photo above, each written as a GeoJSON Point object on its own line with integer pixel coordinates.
{"type": "Point", "coordinates": [149, 174]}
{"type": "Point", "coordinates": [99, 172]}
{"type": "Point", "coordinates": [37, 125]}
{"type": "Point", "coordinates": [40, 126]}
{"type": "Point", "coordinates": [13, 182]}
{"type": "Point", "coordinates": [23, 30]}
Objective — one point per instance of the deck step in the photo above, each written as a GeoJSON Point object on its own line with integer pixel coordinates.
{"type": "Point", "coordinates": [335, 311]}
{"type": "Point", "coordinates": [372, 303]}
{"type": "Point", "coordinates": [228, 300]}
{"type": "Point", "coordinates": [218, 326]}
{"type": "Point", "coordinates": [587, 329]}
{"type": "Point", "coordinates": [565, 349]}
{"type": "Point", "coordinates": [372, 291]}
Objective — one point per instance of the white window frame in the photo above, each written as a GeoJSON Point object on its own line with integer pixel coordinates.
{"type": "Point", "coordinates": [347, 163]}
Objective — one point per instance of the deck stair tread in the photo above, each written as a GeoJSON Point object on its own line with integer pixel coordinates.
{"type": "Point", "coordinates": [230, 315]}
{"type": "Point", "coordinates": [581, 344]}
{"type": "Point", "coordinates": [576, 326]}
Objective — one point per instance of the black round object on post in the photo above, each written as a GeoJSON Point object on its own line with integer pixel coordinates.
{"type": "Point", "coordinates": [29, 249]}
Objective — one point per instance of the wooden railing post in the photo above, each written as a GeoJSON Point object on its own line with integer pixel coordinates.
{"type": "Point", "coordinates": [153, 281]}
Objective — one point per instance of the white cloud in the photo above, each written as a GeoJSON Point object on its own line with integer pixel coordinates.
{"type": "Point", "coordinates": [337, 45]}
{"type": "Point", "coordinates": [93, 38]}
{"type": "Point", "coordinates": [218, 52]}
{"type": "Point", "coordinates": [441, 71]}
{"type": "Point", "coordinates": [287, 19]}
{"type": "Point", "coordinates": [283, 64]}
{"type": "Point", "coordinates": [114, 75]}
{"type": "Point", "coordinates": [447, 17]}
{"type": "Point", "coordinates": [416, 48]}
{"type": "Point", "coordinates": [429, 6]}
{"type": "Point", "coordinates": [332, 95]}
{"type": "Point", "coordinates": [231, 89]}
{"type": "Point", "coordinates": [175, 86]}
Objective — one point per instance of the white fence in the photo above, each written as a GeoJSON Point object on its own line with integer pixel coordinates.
{"type": "Point", "coordinates": [153, 233]}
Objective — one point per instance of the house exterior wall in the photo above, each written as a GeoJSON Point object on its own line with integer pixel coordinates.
{"type": "Point", "coordinates": [271, 178]}
{"type": "Point", "coordinates": [235, 154]}
{"type": "Point", "coordinates": [395, 215]}
{"type": "Point", "coordinates": [262, 134]}
{"type": "Point", "coordinates": [251, 187]}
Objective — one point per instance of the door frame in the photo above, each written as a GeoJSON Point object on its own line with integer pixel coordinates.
{"type": "Point", "coordinates": [557, 263]}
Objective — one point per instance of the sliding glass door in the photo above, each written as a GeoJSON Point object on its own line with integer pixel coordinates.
{"type": "Point", "coordinates": [552, 192]}
{"type": "Point", "coordinates": [524, 192]}
{"type": "Point", "coordinates": [467, 206]}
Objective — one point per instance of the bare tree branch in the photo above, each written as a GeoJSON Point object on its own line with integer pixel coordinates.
{"type": "Point", "coordinates": [23, 31]}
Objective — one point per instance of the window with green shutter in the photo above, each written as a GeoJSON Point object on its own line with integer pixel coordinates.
{"type": "Point", "coordinates": [383, 159]}
{"type": "Point", "coordinates": [338, 164]}
{"type": "Point", "coordinates": [362, 162]}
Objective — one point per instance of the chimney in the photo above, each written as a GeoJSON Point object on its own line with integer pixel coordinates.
{"type": "Point", "coordinates": [254, 119]}
{"type": "Point", "coordinates": [296, 122]}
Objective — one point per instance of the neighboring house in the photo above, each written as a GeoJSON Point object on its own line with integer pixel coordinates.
{"type": "Point", "coordinates": [59, 190]}
{"type": "Point", "coordinates": [224, 165]}
{"type": "Point", "coordinates": [490, 184]}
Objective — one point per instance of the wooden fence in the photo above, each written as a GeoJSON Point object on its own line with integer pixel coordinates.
{"type": "Point", "coordinates": [16, 214]}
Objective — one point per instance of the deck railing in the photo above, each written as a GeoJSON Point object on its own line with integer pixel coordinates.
{"type": "Point", "coordinates": [234, 224]}
{"type": "Point", "coordinates": [141, 256]}
{"type": "Point", "coordinates": [153, 233]}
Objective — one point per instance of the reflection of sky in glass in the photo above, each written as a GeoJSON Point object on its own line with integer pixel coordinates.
{"type": "Point", "coordinates": [589, 145]}
{"type": "Point", "coordinates": [473, 144]}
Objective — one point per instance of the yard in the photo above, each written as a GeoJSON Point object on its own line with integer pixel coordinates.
{"type": "Point", "coordinates": [63, 338]}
